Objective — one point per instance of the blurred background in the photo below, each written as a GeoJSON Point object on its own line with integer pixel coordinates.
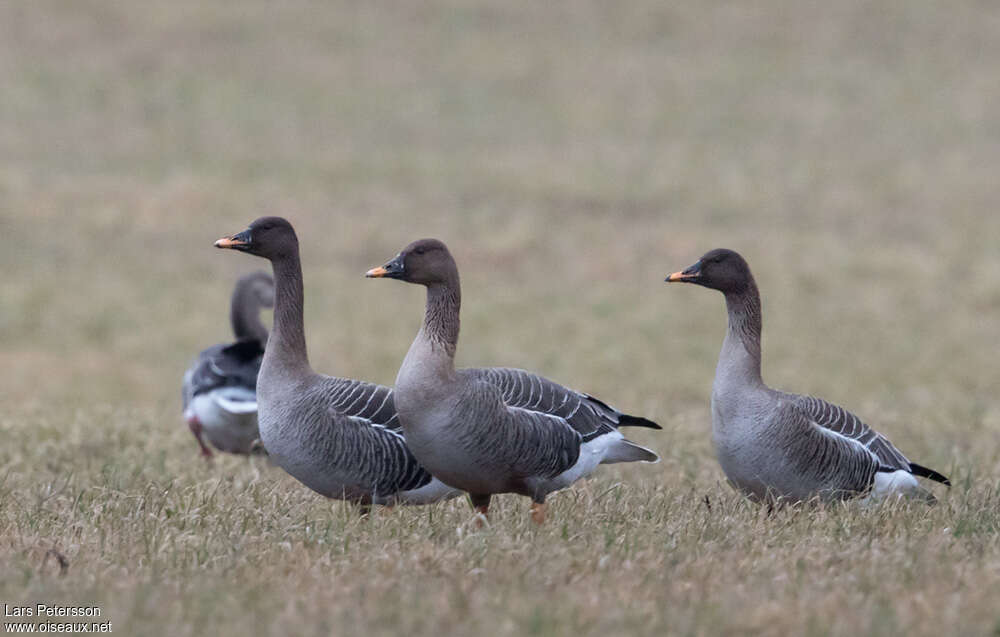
{"type": "Point", "coordinates": [571, 154]}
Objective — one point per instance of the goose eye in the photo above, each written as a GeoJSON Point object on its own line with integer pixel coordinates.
{"type": "Point", "coordinates": [419, 250]}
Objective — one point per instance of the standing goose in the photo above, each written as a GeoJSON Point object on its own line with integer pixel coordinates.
{"type": "Point", "coordinates": [493, 430]}
{"type": "Point", "coordinates": [776, 445]}
{"type": "Point", "coordinates": [219, 390]}
{"type": "Point", "coordinates": [337, 436]}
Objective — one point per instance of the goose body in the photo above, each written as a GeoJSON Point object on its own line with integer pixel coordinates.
{"type": "Point", "coordinates": [339, 437]}
{"type": "Point", "coordinates": [493, 430]}
{"type": "Point", "coordinates": [537, 436]}
{"type": "Point", "coordinates": [776, 445]}
{"type": "Point", "coordinates": [219, 389]}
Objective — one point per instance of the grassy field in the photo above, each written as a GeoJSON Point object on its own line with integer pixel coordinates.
{"type": "Point", "coordinates": [571, 154]}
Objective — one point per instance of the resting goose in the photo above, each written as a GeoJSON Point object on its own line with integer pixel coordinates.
{"type": "Point", "coordinates": [776, 445]}
{"type": "Point", "coordinates": [337, 436]}
{"type": "Point", "coordinates": [493, 430]}
{"type": "Point", "coordinates": [219, 389]}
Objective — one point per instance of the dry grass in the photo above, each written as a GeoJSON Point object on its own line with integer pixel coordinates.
{"type": "Point", "coordinates": [572, 154]}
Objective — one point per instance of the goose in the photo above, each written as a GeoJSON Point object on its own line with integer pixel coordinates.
{"type": "Point", "coordinates": [775, 446]}
{"type": "Point", "coordinates": [339, 437]}
{"type": "Point", "coordinates": [493, 430]}
{"type": "Point", "coordinates": [219, 388]}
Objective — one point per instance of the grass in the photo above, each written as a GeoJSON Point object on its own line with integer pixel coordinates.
{"type": "Point", "coordinates": [571, 154]}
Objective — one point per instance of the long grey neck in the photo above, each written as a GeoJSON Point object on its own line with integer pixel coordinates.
{"type": "Point", "coordinates": [740, 354]}
{"type": "Point", "coordinates": [244, 315]}
{"type": "Point", "coordinates": [441, 317]}
{"type": "Point", "coordinates": [286, 349]}
{"type": "Point", "coordinates": [429, 365]}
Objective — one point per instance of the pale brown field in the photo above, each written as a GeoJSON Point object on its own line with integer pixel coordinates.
{"type": "Point", "coordinates": [571, 154]}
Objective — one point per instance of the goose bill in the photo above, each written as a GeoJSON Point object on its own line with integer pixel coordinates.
{"type": "Point", "coordinates": [392, 270]}
{"type": "Point", "coordinates": [682, 276]}
{"type": "Point", "coordinates": [235, 242]}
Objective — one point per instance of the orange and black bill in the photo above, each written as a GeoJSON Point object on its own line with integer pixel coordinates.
{"type": "Point", "coordinates": [239, 241]}
{"type": "Point", "coordinates": [392, 270]}
{"type": "Point", "coordinates": [687, 275]}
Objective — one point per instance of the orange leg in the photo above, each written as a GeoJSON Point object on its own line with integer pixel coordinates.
{"type": "Point", "coordinates": [195, 426]}
{"type": "Point", "coordinates": [538, 512]}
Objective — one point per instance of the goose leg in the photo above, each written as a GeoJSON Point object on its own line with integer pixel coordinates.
{"type": "Point", "coordinates": [538, 512]}
{"type": "Point", "coordinates": [195, 426]}
{"type": "Point", "coordinates": [481, 504]}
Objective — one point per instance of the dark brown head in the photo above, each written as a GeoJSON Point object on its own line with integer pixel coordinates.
{"type": "Point", "coordinates": [720, 269]}
{"type": "Point", "coordinates": [268, 237]}
{"type": "Point", "coordinates": [426, 262]}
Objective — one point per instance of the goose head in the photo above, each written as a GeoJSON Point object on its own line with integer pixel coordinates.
{"type": "Point", "coordinates": [719, 269]}
{"type": "Point", "coordinates": [425, 262]}
{"type": "Point", "coordinates": [268, 237]}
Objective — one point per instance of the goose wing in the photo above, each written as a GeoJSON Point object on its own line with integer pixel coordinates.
{"type": "Point", "coordinates": [233, 365]}
{"type": "Point", "coordinates": [379, 456]}
{"type": "Point", "coordinates": [366, 439]}
{"type": "Point", "coordinates": [359, 399]}
{"type": "Point", "coordinates": [587, 415]}
{"type": "Point", "coordinates": [821, 455]}
{"type": "Point", "coordinates": [842, 422]}
{"type": "Point", "coordinates": [525, 440]}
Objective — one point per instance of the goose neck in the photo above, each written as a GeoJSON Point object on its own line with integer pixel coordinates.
{"type": "Point", "coordinates": [741, 350]}
{"type": "Point", "coordinates": [441, 317]}
{"type": "Point", "coordinates": [428, 370]}
{"type": "Point", "coordinates": [287, 345]}
{"type": "Point", "coordinates": [244, 315]}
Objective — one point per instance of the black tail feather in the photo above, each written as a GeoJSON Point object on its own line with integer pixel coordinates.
{"type": "Point", "coordinates": [624, 420]}
{"type": "Point", "coordinates": [924, 472]}
{"type": "Point", "coordinates": [636, 421]}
